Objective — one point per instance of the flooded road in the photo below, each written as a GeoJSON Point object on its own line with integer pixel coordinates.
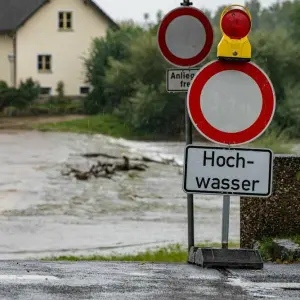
{"type": "Point", "coordinates": [43, 213]}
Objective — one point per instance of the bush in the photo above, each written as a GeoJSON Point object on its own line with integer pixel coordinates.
{"type": "Point", "coordinates": [28, 93]}
{"type": "Point", "coordinates": [136, 87]}
{"type": "Point", "coordinates": [4, 101]}
{"type": "Point", "coordinates": [38, 110]}
{"type": "Point", "coordinates": [20, 98]}
{"type": "Point", "coordinates": [74, 108]}
{"type": "Point", "coordinates": [55, 109]}
{"type": "Point", "coordinates": [60, 89]}
{"type": "Point", "coordinates": [15, 102]}
{"type": "Point", "coordinates": [10, 97]}
{"type": "Point", "coordinates": [10, 111]}
{"type": "Point", "coordinates": [60, 98]}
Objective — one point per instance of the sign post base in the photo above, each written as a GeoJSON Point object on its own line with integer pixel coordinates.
{"type": "Point", "coordinates": [226, 258]}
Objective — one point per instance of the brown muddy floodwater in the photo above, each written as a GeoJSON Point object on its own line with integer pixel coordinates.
{"type": "Point", "coordinates": [43, 213]}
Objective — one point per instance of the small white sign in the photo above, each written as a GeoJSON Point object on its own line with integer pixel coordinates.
{"type": "Point", "coordinates": [179, 80]}
{"type": "Point", "coordinates": [235, 171]}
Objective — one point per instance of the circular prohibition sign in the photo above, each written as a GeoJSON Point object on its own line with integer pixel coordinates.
{"type": "Point", "coordinates": [231, 103]}
{"type": "Point", "coordinates": [185, 36]}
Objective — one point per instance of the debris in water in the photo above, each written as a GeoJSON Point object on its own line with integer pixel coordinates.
{"type": "Point", "coordinates": [105, 169]}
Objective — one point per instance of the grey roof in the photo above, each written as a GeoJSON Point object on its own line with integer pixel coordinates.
{"type": "Point", "coordinates": [14, 13]}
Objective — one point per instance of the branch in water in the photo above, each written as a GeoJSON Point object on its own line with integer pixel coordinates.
{"type": "Point", "coordinates": [105, 169]}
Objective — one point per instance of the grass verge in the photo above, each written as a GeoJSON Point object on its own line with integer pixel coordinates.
{"type": "Point", "coordinates": [113, 126]}
{"type": "Point", "coordinates": [279, 143]}
{"type": "Point", "coordinates": [178, 254]}
{"type": "Point", "coordinates": [170, 254]}
{"type": "Point", "coordinates": [105, 124]}
{"type": "Point", "coordinates": [100, 124]}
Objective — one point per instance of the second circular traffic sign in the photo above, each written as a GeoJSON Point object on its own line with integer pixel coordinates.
{"type": "Point", "coordinates": [185, 36]}
{"type": "Point", "coordinates": [231, 103]}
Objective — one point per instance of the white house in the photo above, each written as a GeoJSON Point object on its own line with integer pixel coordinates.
{"type": "Point", "coordinates": [47, 40]}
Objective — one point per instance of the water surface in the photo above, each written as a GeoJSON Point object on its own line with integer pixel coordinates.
{"type": "Point", "coordinates": [43, 213]}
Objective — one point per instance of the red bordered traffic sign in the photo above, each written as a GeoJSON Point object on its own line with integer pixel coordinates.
{"type": "Point", "coordinates": [231, 103]}
{"type": "Point", "coordinates": [185, 36]}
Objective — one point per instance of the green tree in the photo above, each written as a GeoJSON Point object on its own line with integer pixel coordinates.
{"type": "Point", "coordinates": [277, 15]}
{"type": "Point", "coordinates": [138, 84]}
{"type": "Point", "coordinates": [216, 18]}
{"type": "Point", "coordinates": [295, 21]}
{"type": "Point", "coordinates": [128, 72]}
{"type": "Point", "coordinates": [254, 7]}
{"type": "Point", "coordinates": [282, 64]}
{"type": "Point", "coordinates": [114, 45]}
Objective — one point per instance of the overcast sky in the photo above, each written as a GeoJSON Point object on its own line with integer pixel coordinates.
{"type": "Point", "coordinates": [135, 9]}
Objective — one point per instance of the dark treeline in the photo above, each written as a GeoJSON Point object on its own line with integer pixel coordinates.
{"type": "Point", "coordinates": [127, 71]}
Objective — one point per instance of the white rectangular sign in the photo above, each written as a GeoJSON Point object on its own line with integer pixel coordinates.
{"type": "Point", "coordinates": [235, 171]}
{"type": "Point", "coordinates": [179, 80]}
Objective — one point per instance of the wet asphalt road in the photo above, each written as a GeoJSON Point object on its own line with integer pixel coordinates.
{"type": "Point", "coordinates": [137, 281]}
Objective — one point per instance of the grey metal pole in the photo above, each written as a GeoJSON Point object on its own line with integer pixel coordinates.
{"type": "Point", "coordinates": [189, 140]}
{"type": "Point", "coordinates": [225, 221]}
{"type": "Point", "coordinates": [190, 197]}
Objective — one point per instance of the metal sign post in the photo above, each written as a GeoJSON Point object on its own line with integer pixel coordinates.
{"type": "Point", "coordinates": [190, 197]}
{"type": "Point", "coordinates": [189, 141]}
{"type": "Point", "coordinates": [185, 37]}
{"type": "Point", "coordinates": [225, 221]}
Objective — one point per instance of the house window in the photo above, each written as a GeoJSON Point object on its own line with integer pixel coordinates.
{"type": "Point", "coordinates": [45, 91]}
{"type": "Point", "coordinates": [65, 20]}
{"type": "Point", "coordinates": [44, 63]}
{"type": "Point", "coordinates": [84, 90]}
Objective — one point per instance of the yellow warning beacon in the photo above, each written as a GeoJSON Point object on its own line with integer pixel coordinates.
{"type": "Point", "coordinates": [235, 24]}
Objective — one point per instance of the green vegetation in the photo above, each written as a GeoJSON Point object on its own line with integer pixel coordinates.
{"type": "Point", "coordinates": [23, 101]}
{"type": "Point", "coordinates": [266, 248]}
{"type": "Point", "coordinates": [106, 124]}
{"type": "Point", "coordinates": [172, 253]}
{"type": "Point", "coordinates": [296, 239]}
{"type": "Point", "coordinates": [279, 143]}
{"type": "Point", "coordinates": [44, 109]}
{"type": "Point", "coordinates": [270, 252]}
{"type": "Point", "coordinates": [178, 253]}
{"type": "Point", "coordinates": [50, 108]}
{"type": "Point", "coordinates": [20, 97]}
{"type": "Point", "coordinates": [127, 72]}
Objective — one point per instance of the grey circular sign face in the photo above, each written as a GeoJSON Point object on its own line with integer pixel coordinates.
{"type": "Point", "coordinates": [231, 101]}
{"type": "Point", "coordinates": [185, 37]}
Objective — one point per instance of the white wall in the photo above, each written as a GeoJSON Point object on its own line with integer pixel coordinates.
{"type": "Point", "coordinates": [40, 35]}
{"type": "Point", "coordinates": [6, 67]}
